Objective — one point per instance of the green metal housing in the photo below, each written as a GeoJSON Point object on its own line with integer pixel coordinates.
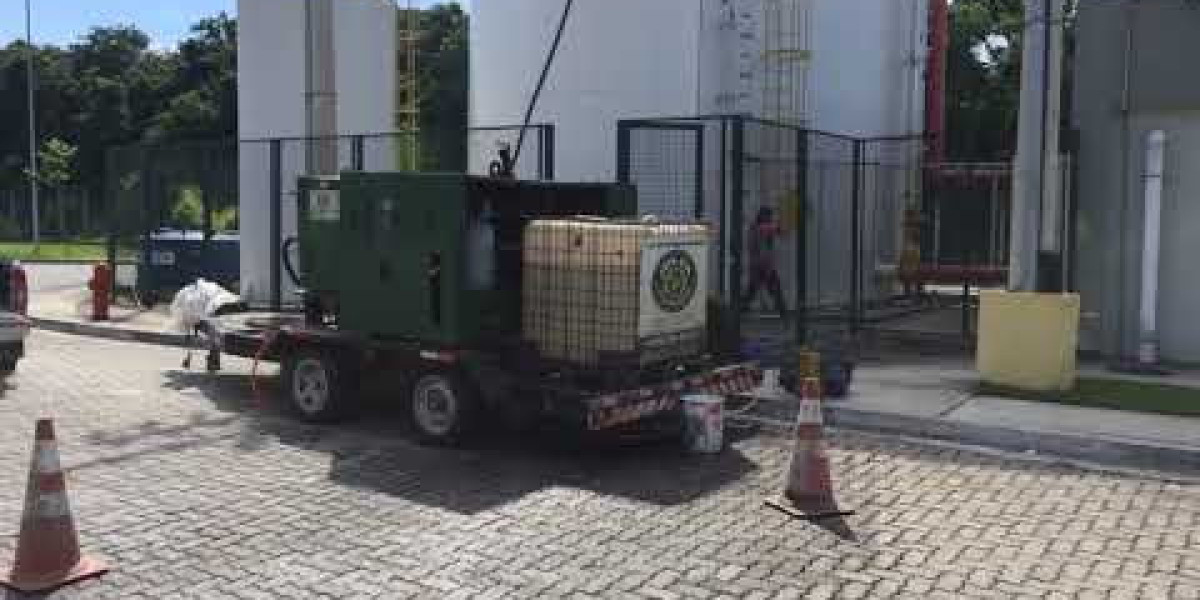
{"type": "Point", "coordinates": [386, 252]}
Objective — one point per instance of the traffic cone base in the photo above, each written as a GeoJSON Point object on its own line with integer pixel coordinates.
{"type": "Point", "coordinates": [786, 507]}
{"type": "Point", "coordinates": [48, 555]}
{"type": "Point", "coordinates": [86, 568]}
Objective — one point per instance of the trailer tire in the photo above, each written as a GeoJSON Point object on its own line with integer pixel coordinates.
{"type": "Point", "coordinates": [318, 385]}
{"type": "Point", "coordinates": [443, 408]}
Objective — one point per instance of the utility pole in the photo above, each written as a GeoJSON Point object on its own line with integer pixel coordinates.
{"type": "Point", "coordinates": [33, 165]}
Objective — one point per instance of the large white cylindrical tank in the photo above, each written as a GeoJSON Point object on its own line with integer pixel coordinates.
{"type": "Point", "coordinates": [618, 59]}
{"type": "Point", "coordinates": [867, 69]}
{"type": "Point", "coordinates": [272, 104]}
{"type": "Point", "coordinates": [861, 61]}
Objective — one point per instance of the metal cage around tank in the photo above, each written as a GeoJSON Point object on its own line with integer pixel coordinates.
{"type": "Point", "coordinates": [839, 200]}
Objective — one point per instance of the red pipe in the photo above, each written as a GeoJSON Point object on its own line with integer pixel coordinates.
{"type": "Point", "coordinates": [935, 82]}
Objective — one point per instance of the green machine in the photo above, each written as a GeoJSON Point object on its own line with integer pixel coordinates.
{"type": "Point", "coordinates": [434, 257]}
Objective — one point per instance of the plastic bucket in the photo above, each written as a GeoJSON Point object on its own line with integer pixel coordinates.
{"type": "Point", "coordinates": [704, 423]}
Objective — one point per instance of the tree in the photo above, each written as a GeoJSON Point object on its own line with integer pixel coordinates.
{"type": "Point", "coordinates": [204, 103]}
{"type": "Point", "coordinates": [55, 99]}
{"type": "Point", "coordinates": [444, 77]}
{"type": "Point", "coordinates": [56, 163]}
{"type": "Point", "coordinates": [983, 79]}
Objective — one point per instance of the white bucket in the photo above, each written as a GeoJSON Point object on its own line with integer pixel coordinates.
{"type": "Point", "coordinates": [770, 385]}
{"type": "Point", "coordinates": [704, 423]}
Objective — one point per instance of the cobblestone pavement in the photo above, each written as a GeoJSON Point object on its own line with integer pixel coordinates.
{"type": "Point", "coordinates": [193, 493]}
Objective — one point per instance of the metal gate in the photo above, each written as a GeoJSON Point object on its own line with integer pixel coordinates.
{"type": "Point", "coordinates": [665, 180]}
{"type": "Point", "coordinates": [839, 200]}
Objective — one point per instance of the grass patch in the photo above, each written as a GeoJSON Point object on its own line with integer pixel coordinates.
{"type": "Point", "coordinates": [1120, 394]}
{"type": "Point", "coordinates": [64, 251]}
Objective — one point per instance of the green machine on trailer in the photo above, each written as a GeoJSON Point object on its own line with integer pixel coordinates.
{"type": "Point", "coordinates": [488, 295]}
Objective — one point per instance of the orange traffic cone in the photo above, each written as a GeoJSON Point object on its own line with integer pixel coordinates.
{"type": "Point", "coordinates": [809, 492]}
{"type": "Point", "coordinates": [48, 549]}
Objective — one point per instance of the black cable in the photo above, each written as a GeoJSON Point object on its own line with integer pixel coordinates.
{"type": "Point", "coordinates": [286, 254]}
{"type": "Point", "coordinates": [537, 92]}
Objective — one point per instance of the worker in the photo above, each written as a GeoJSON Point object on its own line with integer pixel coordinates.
{"type": "Point", "coordinates": [763, 270]}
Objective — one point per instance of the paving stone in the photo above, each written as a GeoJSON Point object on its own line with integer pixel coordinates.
{"type": "Point", "coordinates": [193, 492]}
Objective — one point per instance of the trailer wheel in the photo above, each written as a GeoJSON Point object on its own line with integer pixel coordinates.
{"type": "Point", "coordinates": [316, 385]}
{"type": "Point", "coordinates": [444, 409]}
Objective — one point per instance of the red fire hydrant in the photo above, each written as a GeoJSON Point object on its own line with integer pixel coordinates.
{"type": "Point", "coordinates": [101, 286]}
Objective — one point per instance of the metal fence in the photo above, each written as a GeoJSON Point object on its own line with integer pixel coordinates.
{"type": "Point", "coordinates": [839, 201]}
{"type": "Point", "coordinates": [65, 213]}
{"type": "Point", "coordinates": [537, 155]}
{"type": "Point", "coordinates": [966, 214]}
{"type": "Point", "coordinates": [250, 187]}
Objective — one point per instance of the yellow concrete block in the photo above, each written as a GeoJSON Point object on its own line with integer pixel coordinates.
{"type": "Point", "coordinates": [1027, 340]}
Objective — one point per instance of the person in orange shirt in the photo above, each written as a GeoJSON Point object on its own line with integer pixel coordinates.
{"type": "Point", "coordinates": [764, 272]}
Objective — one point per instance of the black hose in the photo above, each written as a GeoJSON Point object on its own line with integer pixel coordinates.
{"type": "Point", "coordinates": [537, 92]}
{"type": "Point", "coordinates": [288, 244]}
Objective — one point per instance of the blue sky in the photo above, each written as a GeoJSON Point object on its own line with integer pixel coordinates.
{"type": "Point", "coordinates": [63, 21]}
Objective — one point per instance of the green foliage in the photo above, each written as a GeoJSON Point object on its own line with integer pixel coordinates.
{"type": "Point", "coordinates": [187, 212]}
{"type": "Point", "coordinates": [82, 251]}
{"type": "Point", "coordinates": [225, 219]}
{"type": "Point", "coordinates": [444, 76]}
{"type": "Point", "coordinates": [1120, 394]}
{"type": "Point", "coordinates": [56, 162]}
{"type": "Point", "coordinates": [983, 77]}
{"type": "Point", "coordinates": [110, 88]}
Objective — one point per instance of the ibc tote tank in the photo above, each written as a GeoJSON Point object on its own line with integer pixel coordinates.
{"type": "Point", "coordinates": [626, 293]}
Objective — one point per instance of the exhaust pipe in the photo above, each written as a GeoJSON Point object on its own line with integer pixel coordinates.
{"type": "Point", "coordinates": [1148, 355]}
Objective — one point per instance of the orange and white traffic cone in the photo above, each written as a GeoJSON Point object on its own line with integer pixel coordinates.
{"type": "Point", "coordinates": [809, 491]}
{"type": "Point", "coordinates": [48, 554]}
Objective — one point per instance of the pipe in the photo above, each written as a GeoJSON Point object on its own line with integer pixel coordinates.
{"type": "Point", "coordinates": [1151, 246]}
{"type": "Point", "coordinates": [1123, 218]}
{"type": "Point", "coordinates": [1052, 174]}
{"type": "Point", "coordinates": [33, 157]}
{"type": "Point", "coordinates": [935, 89]}
{"type": "Point", "coordinates": [1028, 169]}
{"type": "Point", "coordinates": [320, 91]}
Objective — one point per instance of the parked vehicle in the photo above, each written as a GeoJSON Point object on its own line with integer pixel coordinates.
{"type": "Point", "coordinates": [493, 298]}
{"type": "Point", "coordinates": [14, 306]}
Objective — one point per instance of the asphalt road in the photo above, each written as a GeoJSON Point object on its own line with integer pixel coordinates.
{"type": "Point", "coordinates": [45, 277]}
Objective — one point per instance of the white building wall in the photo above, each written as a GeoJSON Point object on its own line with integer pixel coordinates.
{"type": "Point", "coordinates": [271, 104]}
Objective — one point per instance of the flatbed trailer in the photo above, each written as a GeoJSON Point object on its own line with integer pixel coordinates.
{"type": "Point", "coordinates": [450, 392]}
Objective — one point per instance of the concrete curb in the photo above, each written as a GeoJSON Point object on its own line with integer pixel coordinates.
{"type": "Point", "coordinates": [110, 333]}
{"type": "Point", "coordinates": [1079, 447]}
{"type": "Point", "coordinates": [72, 261]}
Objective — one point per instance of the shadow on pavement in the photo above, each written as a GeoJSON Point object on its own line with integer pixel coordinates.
{"type": "Point", "coordinates": [374, 451]}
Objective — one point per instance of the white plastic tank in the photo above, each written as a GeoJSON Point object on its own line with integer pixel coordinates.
{"type": "Point", "coordinates": [704, 423]}
{"type": "Point", "coordinates": [596, 291]}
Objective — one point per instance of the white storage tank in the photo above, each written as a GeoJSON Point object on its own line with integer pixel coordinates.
{"type": "Point", "coordinates": [596, 291]}
{"type": "Point", "coordinates": [848, 66]}
{"type": "Point", "coordinates": [618, 59]}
